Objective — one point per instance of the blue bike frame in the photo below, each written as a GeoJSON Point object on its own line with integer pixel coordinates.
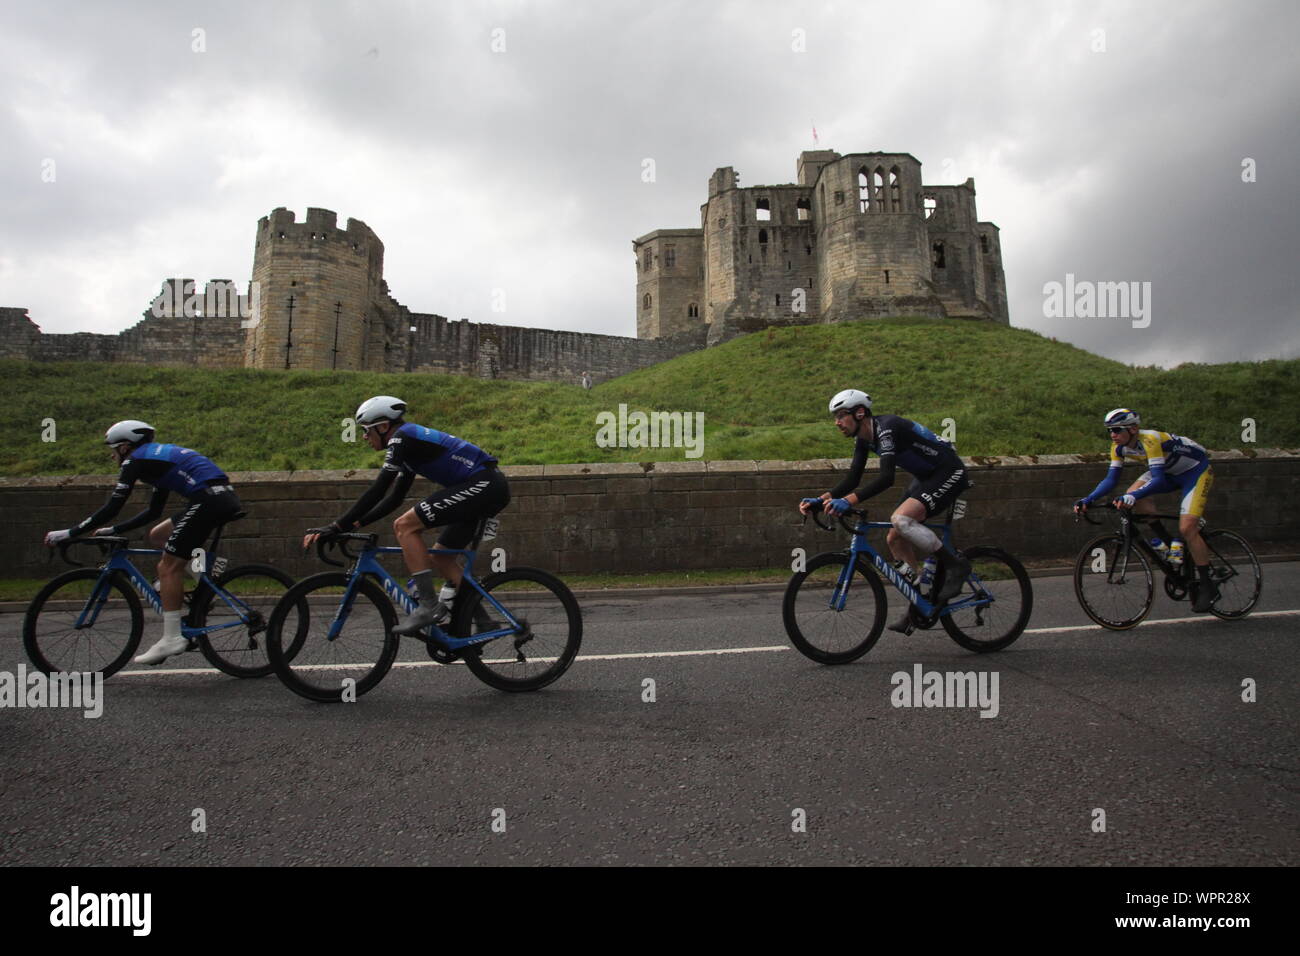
{"type": "Point", "coordinates": [367, 563]}
{"type": "Point", "coordinates": [861, 546]}
{"type": "Point", "coordinates": [119, 561]}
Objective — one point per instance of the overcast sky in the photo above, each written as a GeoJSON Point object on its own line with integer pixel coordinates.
{"type": "Point", "coordinates": [1106, 140]}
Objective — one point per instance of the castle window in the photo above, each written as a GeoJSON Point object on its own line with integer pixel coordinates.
{"type": "Point", "coordinates": [864, 190]}
{"type": "Point", "coordinates": [762, 235]}
{"type": "Point", "coordinates": [645, 301]}
{"type": "Point", "coordinates": [895, 196]}
{"type": "Point", "coordinates": [839, 197]}
{"type": "Point", "coordinates": [778, 298]}
{"type": "Point", "coordinates": [693, 311]}
{"type": "Point", "coordinates": [647, 260]}
{"type": "Point", "coordinates": [878, 197]}
{"type": "Point", "coordinates": [803, 209]}
{"type": "Point", "coordinates": [763, 210]}
{"type": "Point", "coordinates": [722, 222]}
{"type": "Point", "coordinates": [762, 244]}
{"type": "Point", "coordinates": [670, 256]}
{"type": "Point", "coordinates": [984, 244]}
{"type": "Point", "coordinates": [938, 256]}
{"type": "Point", "coordinates": [886, 277]}
{"type": "Point", "coordinates": [931, 203]}
{"type": "Point", "coordinates": [807, 250]}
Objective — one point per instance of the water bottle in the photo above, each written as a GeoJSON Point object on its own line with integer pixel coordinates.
{"type": "Point", "coordinates": [1176, 553]}
{"type": "Point", "coordinates": [1158, 546]}
{"type": "Point", "coordinates": [905, 569]}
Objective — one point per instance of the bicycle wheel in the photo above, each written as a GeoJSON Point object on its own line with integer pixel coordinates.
{"type": "Point", "coordinates": [548, 637]}
{"type": "Point", "coordinates": [363, 647]}
{"type": "Point", "coordinates": [1001, 580]}
{"type": "Point", "coordinates": [820, 631]}
{"type": "Point", "coordinates": [251, 593]}
{"type": "Point", "coordinates": [109, 635]}
{"type": "Point", "coordinates": [1235, 569]}
{"type": "Point", "coordinates": [1113, 582]}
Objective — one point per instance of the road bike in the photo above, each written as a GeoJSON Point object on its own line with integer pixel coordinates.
{"type": "Point", "coordinates": [834, 615]}
{"type": "Point", "coordinates": [517, 630]}
{"type": "Point", "coordinates": [92, 619]}
{"type": "Point", "coordinates": [1115, 586]}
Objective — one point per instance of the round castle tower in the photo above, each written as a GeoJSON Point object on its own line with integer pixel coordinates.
{"type": "Point", "coordinates": [318, 286]}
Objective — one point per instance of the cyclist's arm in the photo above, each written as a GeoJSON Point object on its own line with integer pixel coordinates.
{"type": "Point", "coordinates": [151, 513]}
{"type": "Point", "coordinates": [855, 471]}
{"type": "Point", "coordinates": [122, 491]}
{"type": "Point", "coordinates": [1107, 483]}
{"type": "Point", "coordinates": [391, 500]}
{"type": "Point", "coordinates": [371, 497]}
{"type": "Point", "coordinates": [882, 481]}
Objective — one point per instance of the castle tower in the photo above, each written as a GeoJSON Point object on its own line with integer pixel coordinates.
{"type": "Point", "coordinates": [872, 243]}
{"type": "Point", "coordinates": [320, 291]}
{"type": "Point", "coordinates": [760, 256]}
{"type": "Point", "coordinates": [669, 282]}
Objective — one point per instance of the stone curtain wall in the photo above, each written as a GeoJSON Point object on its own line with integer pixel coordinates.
{"type": "Point", "coordinates": [619, 517]}
{"type": "Point", "coordinates": [206, 342]}
{"type": "Point", "coordinates": [515, 352]}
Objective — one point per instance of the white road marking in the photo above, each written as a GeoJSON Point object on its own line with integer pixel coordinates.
{"type": "Point", "coordinates": [641, 655]}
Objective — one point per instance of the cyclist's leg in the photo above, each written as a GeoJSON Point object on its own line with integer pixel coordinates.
{"type": "Point", "coordinates": [934, 496]}
{"type": "Point", "coordinates": [1196, 490]}
{"type": "Point", "coordinates": [899, 545]}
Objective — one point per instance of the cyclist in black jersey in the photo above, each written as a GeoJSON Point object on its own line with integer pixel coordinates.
{"type": "Point", "coordinates": [473, 488]}
{"type": "Point", "coordinates": [938, 477]}
{"type": "Point", "coordinates": [211, 502]}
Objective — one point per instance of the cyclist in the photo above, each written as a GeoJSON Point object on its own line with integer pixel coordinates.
{"type": "Point", "coordinates": [473, 488]}
{"type": "Point", "coordinates": [1174, 463]}
{"type": "Point", "coordinates": [938, 476]}
{"type": "Point", "coordinates": [212, 502]}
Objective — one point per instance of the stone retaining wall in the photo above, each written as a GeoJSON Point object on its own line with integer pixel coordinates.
{"type": "Point", "coordinates": [689, 514]}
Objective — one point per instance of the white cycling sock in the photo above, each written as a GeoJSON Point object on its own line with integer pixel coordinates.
{"type": "Point", "coordinates": [918, 535]}
{"type": "Point", "coordinates": [171, 624]}
{"type": "Point", "coordinates": [447, 594]}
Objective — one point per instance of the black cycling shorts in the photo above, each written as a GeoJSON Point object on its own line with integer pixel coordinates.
{"type": "Point", "coordinates": [460, 507]}
{"type": "Point", "coordinates": [938, 491]}
{"type": "Point", "coordinates": [203, 515]}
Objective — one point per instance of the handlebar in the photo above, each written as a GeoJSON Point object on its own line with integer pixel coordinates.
{"type": "Point", "coordinates": [104, 543]}
{"type": "Point", "coordinates": [340, 541]}
{"type": "Point", "coordinates": [815, 509]}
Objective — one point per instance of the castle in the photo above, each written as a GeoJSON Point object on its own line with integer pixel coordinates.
{"type": "Point", "coordinates": [858, 236]}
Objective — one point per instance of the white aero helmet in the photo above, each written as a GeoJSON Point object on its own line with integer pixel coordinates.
{"type": "Point", "coordinates": [130, 431]}
{"type": "Point", "coordinates": [381, 408]}
{"type": "Point", "coordinates": [850, 399]}
{"type": "Point", "coordinates": [1121, 417]}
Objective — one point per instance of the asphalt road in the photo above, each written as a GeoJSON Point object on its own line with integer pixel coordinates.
{"type": "Point", "coordinates": [738, 747]}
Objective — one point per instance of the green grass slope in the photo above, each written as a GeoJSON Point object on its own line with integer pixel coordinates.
{"type": "Point", "coordinates": [1009, 391]}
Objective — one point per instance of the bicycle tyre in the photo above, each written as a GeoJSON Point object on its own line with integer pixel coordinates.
{"type": "Point", "coordinates": [241, 651]}
{"type": "Point", "coordinates": [1092, 597]}
{"type": "Point", "coordinates": [318, 668]}
{"type": "Point", "coordinates": [560, 637]}
{"type": "Point", "coordinates": [1228, 552]}
{"type": "Point", "coordinates": [986, 563]}
{"type": "Point", "coordinates": [806, 608]}
{"type": "Point", "coordinates": [47, 629]}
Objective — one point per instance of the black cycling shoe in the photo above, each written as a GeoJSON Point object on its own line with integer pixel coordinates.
{"type": "Point", "coordinates": [955, 571]}
{"type": "Point", "coordinates": [904, 624]}
{"type": "Point", "coordinates": [1205, 598]}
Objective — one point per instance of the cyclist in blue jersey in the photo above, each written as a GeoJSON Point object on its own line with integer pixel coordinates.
{"type": "Point", "coordinates": [1174, 463]}
{"type": "Point", "coordinates": [212, 502]}
{"type": "Point", "coordinates": [473, 488]}
{"type": "Point", "coordinates": [938, 477]}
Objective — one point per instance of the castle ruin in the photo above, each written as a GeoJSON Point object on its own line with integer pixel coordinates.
{"type": "Point", "coordinates": [858, 236]}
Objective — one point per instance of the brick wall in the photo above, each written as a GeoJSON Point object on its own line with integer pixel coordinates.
{"type": "Point", "coordinates": [619, 517]}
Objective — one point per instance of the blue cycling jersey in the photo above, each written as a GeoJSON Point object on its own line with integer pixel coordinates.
{"type": "Point", "coordinates": [188, 475]}
{"type": "Point", "coordinates": [440, 457]}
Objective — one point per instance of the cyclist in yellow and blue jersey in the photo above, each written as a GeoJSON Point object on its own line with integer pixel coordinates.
{"type": "Point", "coordinates": [1174, 463]}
